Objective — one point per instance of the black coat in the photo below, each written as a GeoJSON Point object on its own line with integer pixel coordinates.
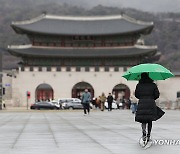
{"type": "Point", "coordinates": [109, 99]}
{"type": "Point", "coordinates": [147, 93]}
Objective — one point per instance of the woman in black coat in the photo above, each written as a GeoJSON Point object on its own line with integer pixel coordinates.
{"type": "Point", "coordinates": [147, 92]}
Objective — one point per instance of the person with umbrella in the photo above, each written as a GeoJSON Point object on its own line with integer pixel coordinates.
{"type": "Point", "coordinates": [147, 92]}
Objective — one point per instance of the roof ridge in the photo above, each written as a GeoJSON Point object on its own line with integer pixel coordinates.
{"type": "Point", "coordinates": [85, 18]}
{"type": "Point", "coordinates": [82, 18]}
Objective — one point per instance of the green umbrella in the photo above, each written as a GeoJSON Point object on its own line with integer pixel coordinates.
{"type": "Point", "coordinates": [155, 72]}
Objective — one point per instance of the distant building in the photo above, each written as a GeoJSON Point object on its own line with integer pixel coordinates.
{"type": "Point", "coordinates": [68, 54]}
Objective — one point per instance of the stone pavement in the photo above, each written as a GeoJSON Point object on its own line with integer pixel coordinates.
{"type": "Point", "coordinates": [69, 132]}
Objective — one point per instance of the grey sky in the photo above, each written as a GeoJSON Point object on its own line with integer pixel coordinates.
{"type": "Point", "coordinates": [145, 5]}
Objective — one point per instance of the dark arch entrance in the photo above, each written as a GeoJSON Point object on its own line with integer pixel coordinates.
{"type": "Point", "coordinates": [79, 88]}
{"type": "Point", "coordinates": [121, 90]}
{"type": "Point", "coordinates": [44, 92]}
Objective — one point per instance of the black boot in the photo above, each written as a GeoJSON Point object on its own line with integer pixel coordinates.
{"type": "Point", "coordinates": [148, 137]}
{"type": "Point", "coordinates": [144, 135]}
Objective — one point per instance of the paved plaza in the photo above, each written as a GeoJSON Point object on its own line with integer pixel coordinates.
{"type": "Point", "coordinates": [69, 132]}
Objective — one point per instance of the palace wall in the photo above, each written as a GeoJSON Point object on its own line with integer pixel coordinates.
{"type": "Point", "coordinates": [62, 83]}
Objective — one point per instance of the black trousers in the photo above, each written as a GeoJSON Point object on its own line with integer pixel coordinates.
{"type": "Point", "coordinates": [149, 128]}
{"type": "Point", "coordinates": [86, 108]}
{"type": "Point", "coordinates": [109, 106]}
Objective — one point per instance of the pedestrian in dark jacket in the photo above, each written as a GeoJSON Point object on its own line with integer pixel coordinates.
{"type": "Point", "coordinates": [110, 100]}
{"type": "Point", "coordinates": [147, 92]}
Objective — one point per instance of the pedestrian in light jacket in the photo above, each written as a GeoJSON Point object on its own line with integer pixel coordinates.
{"type": "Point", "coordinates": [102, 99]}
{"type": "Point", "coordinates": [86, 98]}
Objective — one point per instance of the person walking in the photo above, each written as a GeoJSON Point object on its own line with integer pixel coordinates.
{"type": "Point", "coordinates": [4, 105]}
{"type": "Point", "coordinates": [128, 103]}
{"type": "Point", "coordinates": [94, 102]}
{"type": "Point", "coordinates": [118, 101]}
{"type": "Point", "coordinates": [102, 99]}
{"type": "Point", "coordinates": [133, 103]}
{"type": "Point", "coordinates": [123, 103]}
{"type": "Point", "coordinates": [86, 98]}
{"type": "Point", "coordinates": [147, 92]}
{"type": "Point", "coordinates": [98, 102]}
{"type": "Point", "coordinates": [110, 101]}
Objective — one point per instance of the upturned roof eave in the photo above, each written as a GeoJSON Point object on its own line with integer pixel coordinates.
{"type": "Point", "coordinates": [147, 51]}
{"type": "Point", "coordinates": [82, 18]}
{"type": "Point", "coordinates": [144, 31]}
{"type": "Point", "coordinates": [20, 27]}
{"type": "Point", "coordinates": [74, 56]}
